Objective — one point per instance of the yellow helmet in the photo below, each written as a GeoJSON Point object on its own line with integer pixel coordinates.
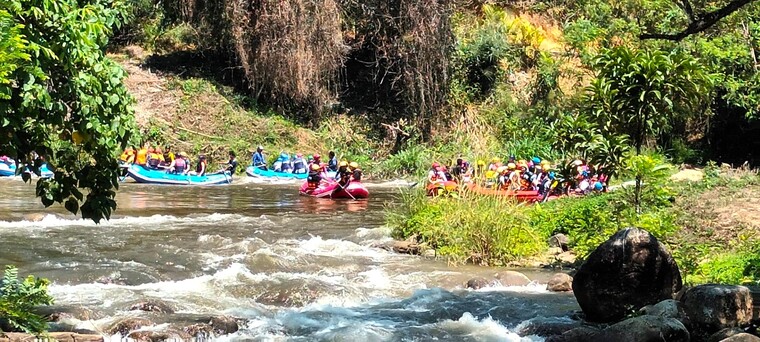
{"type": "Point", "coordinates": [545, 163]}
{"type": "Point", "coordinates": [343, 163]}
{"type": "Point", "coordinates": [315, 167]}
{"type": "Point", "coordinates": [495, 160]}
{"type": "Point", "coordinates": [481, 162]}
{"type": "Point", "coordinates": [511, 166]}
{"type": "Point", "coordinates": [501, 169]}
{"type": "Point", "coordinates": [354, 165]}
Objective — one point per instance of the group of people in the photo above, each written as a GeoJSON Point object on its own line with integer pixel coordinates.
{"type": "Point", "coordinates": [156, 158]}
{"type": "Point", "coordinates": [317, 171]}
{"type": "Point", "coordinates": [535, 174]}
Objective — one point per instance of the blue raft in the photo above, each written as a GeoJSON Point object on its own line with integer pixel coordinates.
{"type": "Point", "coordinates": [143, 175]}
{"type": "Point", "coordinates": [269, 174]}
{"type": "Point", "coordinates": [8, 170]}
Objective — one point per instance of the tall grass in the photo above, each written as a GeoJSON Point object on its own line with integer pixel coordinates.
{"type": "Point", "coordinates": [485, 230]}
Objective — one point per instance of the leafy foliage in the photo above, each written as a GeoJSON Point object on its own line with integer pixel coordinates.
{"type": "Point", "coordinates": [18, 298]}
{"type": "Point", "coordinates": [66, 100]}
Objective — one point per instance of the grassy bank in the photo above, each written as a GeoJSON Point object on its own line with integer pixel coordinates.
{"type": "Point", "coordinates": [710, 226]}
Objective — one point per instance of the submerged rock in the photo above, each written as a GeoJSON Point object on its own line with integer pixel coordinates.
{"type": "Point", "coordinates": [512, 278]}
{"type": "Point", "coordinates": [160, 335]}
{"type": "Point", "coordinates": [152, 306]}
{"type": "Point", "coordinates": [645, 329]}
{"type": "Point", "coordinates": [224, 325]}
{"type": "Point", "coordinates": [477, 283]}
{"type": "Point", "coordinates": [127, 325]}
{"type": "Point", "coordinates": [547, 327]}
{"type": "Point", "coordinates": [712, 308]}
{"type": "Point", "coordinates": [630, 270]}
{"type": "Point", "coordinates": [560, 282]}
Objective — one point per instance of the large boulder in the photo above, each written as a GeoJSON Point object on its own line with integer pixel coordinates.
{"type": "Point", "coordinates": [579, 334]}
{"type": "Point", "coordinates": [645, 329]}
{"type": "Point", "coordinates": [724, 334]}
{"type": "Point", "coordinates": [630, 270]}
{"type": "Point", "coordinates": [712, 308]}
{"type": "Point", "coordinates": [559, 241]}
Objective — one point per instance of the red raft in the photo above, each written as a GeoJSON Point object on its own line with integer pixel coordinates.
{"type": "Point", "coordinates": [353, 190]}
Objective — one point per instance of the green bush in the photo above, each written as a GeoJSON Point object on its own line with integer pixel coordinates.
{"type": "Point", "coordinates": [18, 299]}
{"type": "Point", "coordinates": [485, 230]}
{"type": "Point", "coordinates": [741, 266]}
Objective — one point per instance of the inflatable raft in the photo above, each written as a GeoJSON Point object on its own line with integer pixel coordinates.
{"type": "Point", "coordinates": [269, 174]}
{"type": "Point", "coordinates": [353, 190]}
{"type": "Point", "coordinates": [144, 175]}
{"type": "Point", "coordinates": [8, 170]}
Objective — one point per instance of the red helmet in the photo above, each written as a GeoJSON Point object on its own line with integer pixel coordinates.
{"type": "Point", "coordinates": [436, 165]}
{"type": "Point", "coordinates": [316, 156]}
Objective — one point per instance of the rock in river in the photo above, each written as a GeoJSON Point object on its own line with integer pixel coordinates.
{"type": "Point", "coordinates": [560, 282]}
{"type": "Point", "coordinates": [630, 270]}
{"type": "Point", "coordinates": [152, 306]}
{"type": "Point", "coordinates": [512, 278]}
{"type": "Point", "coordinates": [715, 307]}
{"type": "Point", "coordinates": [477, 283]}
{"type": "Point", "coordinates": [645, 329]}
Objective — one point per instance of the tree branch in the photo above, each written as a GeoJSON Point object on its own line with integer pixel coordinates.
{"type": "Point", "coordinates": [699, 23]}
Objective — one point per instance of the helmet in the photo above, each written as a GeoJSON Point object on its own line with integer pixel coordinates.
{"type": "Point", "coordinates": [512, 157]}
{"type": "Point", "coordinates": [260, 148]}
{"type": "Point", "coordinates": [598, 186]}
{"type": "Point", "coordinates": [316, 156]}
{"type": "Point", "coordinates": [436, 165]}
{"type": "Point", "coordinates": [284, 155]}
{"type": "Point", "coordinates": [315, 167]}
{"type": "Point", "coordinates": [481, 162]}
{"type": "Point", "coordinates": [511, 166]}
{"type": "Point", "coordinates": [495, 160]}
{"type": "Point", "coordinates": [501, 169]}
{"type": "Point", "coordinates": [545, 162]}
{"type": "Point", "coordinates": [183, 153]}
{"type": "Point", "coordinates": [536, 160]}
{"type": "Point", "coordinates": [299, 155]}
{"type": "Point", "coordinates": [354, 165]}
{"type": "Point", "coordinates": [577, 162]}
{"type": "Point", "coordinates": [343, 163]}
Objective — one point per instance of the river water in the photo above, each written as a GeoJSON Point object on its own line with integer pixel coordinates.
{"type": "Point", "coordinates": [290, 268]}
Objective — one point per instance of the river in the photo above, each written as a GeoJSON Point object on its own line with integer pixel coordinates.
{"type": "Point", "coordinates": [291, 268]}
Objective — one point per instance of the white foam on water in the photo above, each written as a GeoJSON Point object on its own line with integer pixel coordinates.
{"type": "Point", "coordinates": [533, 287]}
{"type": "Point", "coordinates": [339, 248]}
{"type": "Point", "coordinates": [157, 222]}
{"type": "Point", "coordinates": [486, 329]}
{"type": "Point", "coordinates": [374, 233]}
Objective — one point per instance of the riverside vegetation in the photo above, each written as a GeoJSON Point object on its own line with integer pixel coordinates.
{"type": "Point", "coordinates": [399, 84]}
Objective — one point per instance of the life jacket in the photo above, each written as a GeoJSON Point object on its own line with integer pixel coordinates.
{"type": "Point", "coordinates": [142, 157]}
{"type": "Point", "coordinates": [154, 160]}
{"type": "Point", "coordinates": [299, 165]}
{"type": "Point", "coordinates": [286, 166]}
{"type": "Point", "coordinates": [201, 166]}
{"type": "Point", "coordinates": [357, 175]}
{"type": "Point", "coordinates": [180, 164]}
{"type": "Point", "coordinates": [313, 179]}
{"type": "Point", "coordinates": [168, 157]}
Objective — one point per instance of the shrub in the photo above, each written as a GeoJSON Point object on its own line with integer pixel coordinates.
{"type": "Point", "coordinates": [19, 297]}
{"type": "Point", "coordinates": [485, 230]}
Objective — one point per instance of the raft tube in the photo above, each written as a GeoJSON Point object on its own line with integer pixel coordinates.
{"type": "Point", "coordinates": [143, 175]}
{"type": "Point", "coordinates": [269, 174]}
{"type": "Point", "coordinates": [353, 190]}
{"type": "Point", "coordinates": [9, 170]}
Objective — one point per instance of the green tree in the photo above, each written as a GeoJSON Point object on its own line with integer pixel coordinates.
{"type": "Point", "coordinates": [63, 98]}
{"type": "Point", "coordinates": [639, 93]}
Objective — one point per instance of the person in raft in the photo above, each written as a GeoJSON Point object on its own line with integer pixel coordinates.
{"type": "Point", "coordinates": [232, 164]}
{"type": "Point", "coordinates": [258, 160]}
{"type": "Point", "coordinates": [356, 172]}
{"type": "Point", "coordinates": [179, 165]}
{"type": "Point", "coordinates": [332, 163]}
{"type": "Point", "coordinates": [299, 164]}
{"type": "Point", "coordinates": [314, 178]}
{"type": "Point", "coordinates": [201, 168]}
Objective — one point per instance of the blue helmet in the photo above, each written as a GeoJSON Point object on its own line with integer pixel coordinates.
{"type": "Point", "coordinates": [536, 160]}
{"type": "Point", "coordinates": [598, 186]}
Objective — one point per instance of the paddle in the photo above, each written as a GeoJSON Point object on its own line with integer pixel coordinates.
{"type": "Point", "coordinates": [344, 189]}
